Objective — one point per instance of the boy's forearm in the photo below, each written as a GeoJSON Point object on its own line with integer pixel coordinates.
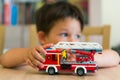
{"type": "Point", "coordinates": [13, 57]}
{"type": "Point", "coordinates": [108, 58]}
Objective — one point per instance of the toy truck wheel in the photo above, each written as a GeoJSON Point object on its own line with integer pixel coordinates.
{"type": "Point", "coordinates": [51, 71]}
{"type": "Point", "coordinates": [80, 71]}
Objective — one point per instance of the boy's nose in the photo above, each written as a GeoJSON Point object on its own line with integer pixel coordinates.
{"type": "Point", "coordinates": [71, 39]}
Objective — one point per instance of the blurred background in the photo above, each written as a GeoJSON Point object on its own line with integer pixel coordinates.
{"type": "Point", "coordinates": [17, 15]}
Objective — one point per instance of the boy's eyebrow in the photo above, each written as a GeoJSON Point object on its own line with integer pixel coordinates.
{"type": "Point", "coordinates": [70, 31]}
{"type": "Point", "coordinates": [63, 29]}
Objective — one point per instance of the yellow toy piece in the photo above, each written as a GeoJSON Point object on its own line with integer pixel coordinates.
{"type": "Point", "coordinates": [64, 54]}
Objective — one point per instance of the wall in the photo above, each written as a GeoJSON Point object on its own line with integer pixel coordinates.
{"type": "Point", "coordinates": [16, 37]}
{"type": "Point", "coordinates": [111, 15]}
{"type": "Point", "coordinates": [95, 12]}
{"type": "Point", "coordinates": [106, 12]}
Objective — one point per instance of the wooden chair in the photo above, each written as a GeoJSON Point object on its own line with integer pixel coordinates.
{"type": "Point", "coordinates": [33, 36]}
{"type": "Point", "coordinates": [88, 31]}
{"type": "Point", "coordinates": [2, 37]}
{"type": "Point", "coordinates": [104, 31]}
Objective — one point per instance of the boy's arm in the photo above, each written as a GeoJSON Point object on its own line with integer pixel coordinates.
{"type": "Point", "coordinates": [108, 58]}
{"type": "Point", "coordinates": [13, 57]}
{"type": "Point", "coordinates": [18, 56]}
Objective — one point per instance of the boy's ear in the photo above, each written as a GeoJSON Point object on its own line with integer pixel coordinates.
{"type": "Point", "coordinates": [41, 37]}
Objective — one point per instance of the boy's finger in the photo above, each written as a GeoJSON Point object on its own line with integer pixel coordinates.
{"type": "Point", "coordinates": [35, 64]}
{"type": "Point", "coordinates": [38, 57]}
{"type": "Point", "coordinates": [47, 45]}
{"type": "Point", "coordinates": [31, 57]}
{"type": "Point", "coordinates": [41, 50]}
{"type": "Point", "coordinates": [35, 55]}
{"type": "Point", "coordinates": [30, 63]}
{"type": "Point", "coordinates": [40, 65]}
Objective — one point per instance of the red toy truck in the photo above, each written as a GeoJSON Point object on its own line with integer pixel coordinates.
{"type": "Point", "coordinates": [56, 59]}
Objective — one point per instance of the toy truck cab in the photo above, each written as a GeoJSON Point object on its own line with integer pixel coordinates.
{"type": "Point", "coordinates": [57, 58]}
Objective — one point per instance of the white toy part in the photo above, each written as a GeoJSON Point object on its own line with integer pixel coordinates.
{"type": "Point", "coordinates": [79, 45]}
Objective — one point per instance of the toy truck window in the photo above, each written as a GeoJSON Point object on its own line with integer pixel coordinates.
{"type": "Point", "coordinates": [54, 57]}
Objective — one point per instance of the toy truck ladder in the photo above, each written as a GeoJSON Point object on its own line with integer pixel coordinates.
{"type": "Point", "coordinates": [87, 46]}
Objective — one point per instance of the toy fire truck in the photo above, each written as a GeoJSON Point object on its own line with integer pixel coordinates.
{"type": "Point", "coordinates": [56, 59]}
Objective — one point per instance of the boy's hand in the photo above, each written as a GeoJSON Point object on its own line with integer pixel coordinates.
{"type": "Point", "coordinates": [71, 56]}
{"type": "Point", "coordinates": [34, 56]}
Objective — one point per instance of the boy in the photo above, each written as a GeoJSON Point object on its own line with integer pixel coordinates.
{"type": "Point", "coordinates": [56, 22]}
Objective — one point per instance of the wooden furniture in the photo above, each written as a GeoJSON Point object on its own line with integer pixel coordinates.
{"type": "Point", "coordinates": [104, 31]}
{"type": "Point", "coordinates": [33, 36]}
{"type": "Point", "coordinates": [2, 36]}
{"type": "Point", "coordinates": [28, 73]}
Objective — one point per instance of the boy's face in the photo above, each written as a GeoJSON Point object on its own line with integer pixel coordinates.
{"type": "Point", "coordinates": [63, 30]}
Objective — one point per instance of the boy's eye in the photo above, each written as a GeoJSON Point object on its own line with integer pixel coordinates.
{"type": "Point", "coordinates": [77, 36]}
{"type": "Point", "coordinates": [64, 34]}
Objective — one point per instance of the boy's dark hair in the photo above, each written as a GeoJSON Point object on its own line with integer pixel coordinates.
{"type": "Point", "coordinates": [48, 14]}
